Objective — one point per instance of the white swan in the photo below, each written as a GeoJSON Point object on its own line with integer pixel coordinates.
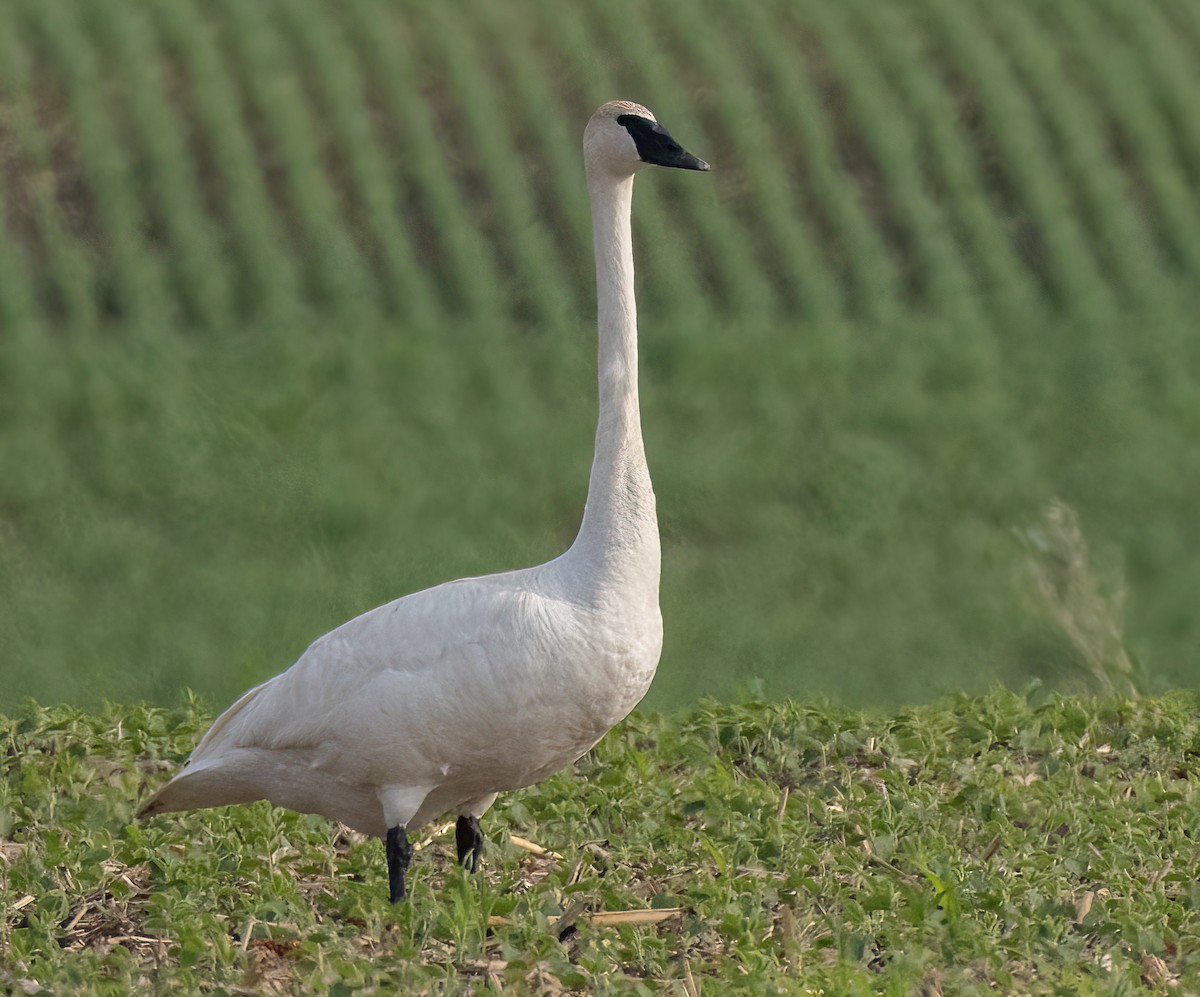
{"type": "Point", "coordinates": [436, 702]}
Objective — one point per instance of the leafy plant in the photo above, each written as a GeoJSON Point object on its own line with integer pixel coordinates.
{"type": "Point", "coordinates": [1001, 843]}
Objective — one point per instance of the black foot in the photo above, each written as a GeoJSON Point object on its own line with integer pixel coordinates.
{"type": "Point", "coordinates": [399, 854]}
{"type": "Point", "coordinates": [470, 842]}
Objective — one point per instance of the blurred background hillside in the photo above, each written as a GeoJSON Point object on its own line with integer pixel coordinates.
{"type": "Point", "coordinates": [296, 316]}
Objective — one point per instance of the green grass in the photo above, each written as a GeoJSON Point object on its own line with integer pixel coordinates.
{"type": "Point", "coordinates": [1006, 843]}
{"type": "Point", "coordinates": [296, 317]}
{"type": "Point", "coordinates": [196, 512]}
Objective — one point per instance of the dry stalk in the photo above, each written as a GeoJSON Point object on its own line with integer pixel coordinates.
{"type": "Point", "coordinates": [1071, 593]}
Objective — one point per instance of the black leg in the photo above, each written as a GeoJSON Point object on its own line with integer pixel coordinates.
{"type": "Point", "coordinates": [399, 854]}
{"type": "Point", "coordinates": [469, 839]}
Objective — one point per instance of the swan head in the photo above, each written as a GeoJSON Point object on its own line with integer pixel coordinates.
{"type": "Point", "coordinates": [622, 137]}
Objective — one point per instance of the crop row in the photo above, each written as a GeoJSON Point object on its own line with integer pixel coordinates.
{"type": "Point", "coordinates": [199, 162]}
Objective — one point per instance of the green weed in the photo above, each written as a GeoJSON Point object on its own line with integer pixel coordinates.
{"type": "Point", "coordinates": [1006, 843]}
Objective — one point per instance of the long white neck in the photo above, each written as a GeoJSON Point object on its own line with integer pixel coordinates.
{"type": "Point", "coordinates": [617, 547]}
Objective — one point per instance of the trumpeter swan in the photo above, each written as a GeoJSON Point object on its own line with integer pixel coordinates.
{"type": "Point", "coordinates": [436, 702]}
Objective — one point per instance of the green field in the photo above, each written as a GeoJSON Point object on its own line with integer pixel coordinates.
{"type": "Point", "coordinates": [296, 316]}
{"type": "Point", "coordinates": [1001, 844]}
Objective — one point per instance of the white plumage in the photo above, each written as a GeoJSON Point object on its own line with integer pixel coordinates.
{"type": "Point", "coordinates": [436, 702]}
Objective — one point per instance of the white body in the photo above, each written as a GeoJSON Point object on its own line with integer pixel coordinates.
{"type": "Point", "coordinates": [437, 701]}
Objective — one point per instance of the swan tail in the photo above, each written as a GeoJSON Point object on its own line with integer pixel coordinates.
{"type": "Point", "coordinates": [198, 787]}
{"type": "Point", "coordinates": [201, 782]}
